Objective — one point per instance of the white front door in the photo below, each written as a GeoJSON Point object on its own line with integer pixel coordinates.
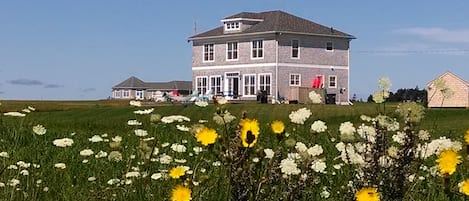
{"type": "Point", "coordinates": [231, 86]}
{"type": "Point", "coordinates": [139, 95]}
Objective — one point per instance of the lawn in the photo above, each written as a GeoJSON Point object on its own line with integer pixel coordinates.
{"type": "Point", "coordinates": [112, 160]}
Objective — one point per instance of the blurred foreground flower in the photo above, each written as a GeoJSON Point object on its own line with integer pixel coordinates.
{"type": "Point", "coordinates": [181, 193]}
{"type": "Point", "coordinates": [277, 127]}
{"type": "Point", "coordinates": [447, 161]}
{"type": "Point", "coordinates": [299, 116]}
{"type": "Point", "coordinates": [206, 136]}
{"type": "Point", "coordinates": [249, 132]}
{"type": "Point", "coordinates": [39, 130]}
{"type": "Point", "coordinates": [135, 103]}
{"type": "Point", "coordinates": [177, 172]}
{"type": "Point", "coordinates": [464, 187]}
{"type": "Point", "coordinates": [367, 194]}
{"type": "Point", "coordinates": [315, 97]}
{"type": "Point", "coordinates": [14, 114]}
{"type": "Point", "coordinates": [65, 142]}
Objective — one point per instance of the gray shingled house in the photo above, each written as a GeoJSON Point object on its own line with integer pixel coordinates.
{"type": "Point", "coordinates": [274, 52]}
{"type": "Point", "coordinates": [134, 88]}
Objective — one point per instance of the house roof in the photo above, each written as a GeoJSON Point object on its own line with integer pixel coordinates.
{"type": "Point", "coordinates": [275, 22]}
{"type": "Point", "coordinates": [448, 73]}
{"type": "Point", "coordinates": [135, 83]}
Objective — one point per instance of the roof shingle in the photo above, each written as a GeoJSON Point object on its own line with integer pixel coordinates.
{"type": "Point", "coordinates": [276, 21]}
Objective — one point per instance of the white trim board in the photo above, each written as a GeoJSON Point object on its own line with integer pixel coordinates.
{"type": "Point", "coordinates": [195, 68]}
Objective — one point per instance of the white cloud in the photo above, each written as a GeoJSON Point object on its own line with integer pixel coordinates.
{"type": "Point", "coordinates": [437, 34]}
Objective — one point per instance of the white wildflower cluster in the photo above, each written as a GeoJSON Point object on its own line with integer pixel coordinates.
{"type": "Point", "coordinates": [96, 138]}
{"type": "Point", "coordinates": [300, 116]}
{"type": "Point", "coordinates": [411, 111]}
{"type": "Point", "coordinates": [289, 167]}
{"type": "Point", "coordinates": [348, 154]}
{"type": "Point", "coordinates": [60, 165]}
{"type": "Point", "coordinates": [319, 166]}
{"type": "Point", "coordinates": [142, 112]}
{"type": "Point", "coordinates": [423, 135]}
{"type": "Point", "coordinates": [135, 103]}
{"type": "Point", "coordinates": [178, 148]}
{"type": "Point", "coordinates": [384, 83]}
{"type": "Point", "coordinates": [4, 154]}
{"type": "Point", "coordinates": [14, 114]}
{"type": "Point", "coordinates": [174, 118]}
{"type": "Point", "coordinates": [134, 122]}
{"type": "Point", "coordinates": [315, 97]}
{"type": "Point", "coordinates": [86, 152]}
{"type": "Point", "coordinates": [165, 159]}
{"type": "Point", "coordinates": [101, 154]}
{"type": "Point", "coordinates": [315, 150]}
{"type": "Point", "coordinates": [347, 131]}
{"type": "Point", "coordinates": [399, 137]}
{"type": "Point", "coordinates": [367, 132]}
{"type": "Point", "coordinates": [64, 142]}
{"type": "Point", "coordinates": [269, 153]}
{"type": "Point", "coordinates": [380, 96]}
{"type": "Point", "coordinates": [387, 122]}
{"type": "Point", "coordinates": [183, 128]}
{"type": "Point", "coordinates": [223, 118]}
{"type": "Point", "coordinates": [115, 156]}
{"type": "Point", "coordinates": [318, 126]}
{"type": "Point", "coordinates": [140, 132]}
{"type": "Point", "coordinates": [201, 103]}
{"type": "Point", "coordinates": [436, 146]}
{"type": "Point", "coordinates": [39, 130]}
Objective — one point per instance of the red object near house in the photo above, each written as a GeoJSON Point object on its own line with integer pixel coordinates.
{"type": "Point", "coordinates": [175, 92]}
{"type": "Point", "coordinates": [317, 82]}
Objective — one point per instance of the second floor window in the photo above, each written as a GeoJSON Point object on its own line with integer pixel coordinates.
{"type": "Point", "coordinates": [332, 81]}
{"type": "Point", "coordinates": [257, 49]}
{"type": "Point", "coordinates": [209, 52]}
{"type": "Point", "coordinates": [329, 46]}
{"type": "Point", "coordinates": [232, 51]}
{"type": "Point", "coordinates": [295, 48]}
{"type": "Point", "coordinates": [295, 80]}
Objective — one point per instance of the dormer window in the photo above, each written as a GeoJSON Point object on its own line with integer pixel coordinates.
{"type": "Point", "coordinates": [229, 26]}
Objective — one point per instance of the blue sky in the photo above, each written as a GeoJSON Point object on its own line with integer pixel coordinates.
{"type": "Point", "coordinates": [80, 49]}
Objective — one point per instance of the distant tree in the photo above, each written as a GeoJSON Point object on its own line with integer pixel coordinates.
{"type": "Point", "coordinates": [401, 95]}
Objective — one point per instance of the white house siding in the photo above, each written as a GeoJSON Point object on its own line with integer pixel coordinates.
{"type": "Point", "coordinates": [459, 88]}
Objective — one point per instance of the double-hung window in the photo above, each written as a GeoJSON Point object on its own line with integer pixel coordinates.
{"type": "Point", "coordinates": [249, 84]}
{"type": "Point", "coordinates": [329, 46]}
{"type": "Point", "coordinates": [232, 51]}
{"type": "Point", "coordinates": [201, 84]}
{"type": "Point", "coordinates": [265, 82]}
{"type": "Point", "coordinates": [295, 79]}
{"type": "Point", "coordinates": [295, 49]}
{"type": "Point", "coordinates": [332, 81]}
{"type": "Point", "coordinates": [215, 84]}
{"type": "Point", "coordinates": [257, 48]}
{"type": "Point", "coordinates": [209, 52]}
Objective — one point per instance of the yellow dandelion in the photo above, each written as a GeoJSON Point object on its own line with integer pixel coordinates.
{"type": "Point", "coordinates": [249, 132]}
{"type": "Point", "coordinates": [177, 172]}
{"type": "Point", "coordinates": [206, 136]}
{"type": "Point", "coordinates": [277, 127]}
{"type": "Point", "coordinates": [464, 187]}
{"type": "Point", "coordinates": [367, 194]}
{"type": "Point", "coordinates": [466, 137]}
{"type": "Point", "coordinates": [181, 193]}
{"type": "Point", "coordinates": [447, 161]}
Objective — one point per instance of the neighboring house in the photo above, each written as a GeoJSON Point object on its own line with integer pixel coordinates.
{"type": "Point", "coordinates": [448, 90]}
{"type": "Point", "coordinates": [134, 88]}
{"type": "Point", "coordinates": [271, 51]}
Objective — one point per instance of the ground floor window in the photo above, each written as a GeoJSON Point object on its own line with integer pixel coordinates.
{"type": "Point", "coordinates": [201, 84]}
{"type": "Point", "coordinates": [215, 84]}
{"type": "Point", "coordinates": [117, 94]}
{"type": "Point", "coordinates": [265, 83]}
{"type": "Point", "coordinates": [126, 93]}
{"type": "Point", "coordinates": [249, 85]}
{"type": "Point", "coordinates": [332, 81]}
{"type": "Point", "coordinates": [295, 79]}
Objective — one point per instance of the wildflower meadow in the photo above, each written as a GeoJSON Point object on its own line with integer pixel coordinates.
{"type": "Point", "coordinates": [223, 151]}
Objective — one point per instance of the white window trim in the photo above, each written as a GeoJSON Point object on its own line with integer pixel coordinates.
{"type": "Point", "coordinates": [299, 79]}
{"type": "Point", "coordinates": [237, 50]}
{"type": "Point", "coordinates": [263, 52]}
{"type": "Point", "coordinates": [210, 83]}
{"type": "Point", "coordinates": [203, 53]}
{"type": "Point", "coordinates": [332, 46]}
{"type": "Point", "coordinates": [329, 81]}
{"type": "Point", "coordinates": [124, 93]}
{"type": "Point", "coordinates": [227, 26]}
{"type": "Point", "coordinates": [259, 81]}
{"type": "Point", "coordinates": [255, 83]}
{"type": "Point", "coordinates": [291, 49]}
{"type": "Point", "coordinates": [197, 86]}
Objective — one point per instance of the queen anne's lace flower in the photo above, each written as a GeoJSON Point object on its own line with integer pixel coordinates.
{"type": "Point", "coordinates": [269, 153]}
{"type": "Point", "coordinates": [60, 165]}
{"type": "Point", "coordinates": [316, 150]}
{"type": "Point", "coordinates": [86, 152]}
{"type": "Point", "coordinates": [314, 97]}
{"type": "Point", "coordinates": [319, 166]}
{"type": "Point", "coordinates": [134, 122]}
{"type": "Point", "coordinates": [346, 131]}
{"type": "Point", "coordinates": [289, 167]}
{"type": "Point", "coordinates": [39, 130]}
{"type": "Point", "coordinates": [300, 116]}
{"type": "Point", "coordinates": [14, 114]}
{"type": "Point", "coordinates": [140, 132]}
{"type": "Point", "coordinates": [318, 126]}
{"type": "Point", "coordinates": [65, 142]}
{"type": "Point", "coordinates": [96, 138]}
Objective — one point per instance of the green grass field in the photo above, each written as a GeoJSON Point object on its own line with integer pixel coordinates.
{"type": "Point", "coordinates": [90, 177]}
